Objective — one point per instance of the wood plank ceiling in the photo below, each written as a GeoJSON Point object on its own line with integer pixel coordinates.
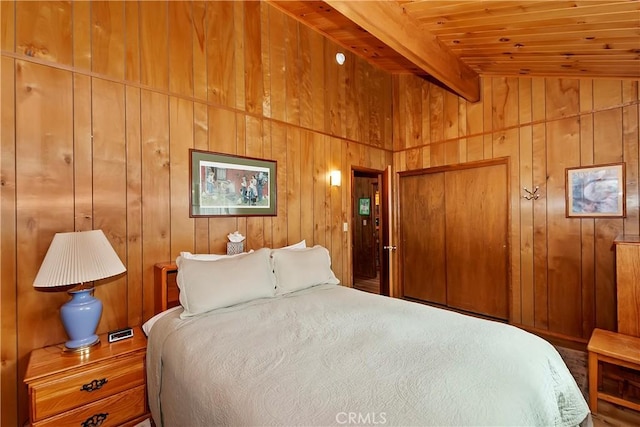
{"type": "Point", "coordinates": [585, 38]}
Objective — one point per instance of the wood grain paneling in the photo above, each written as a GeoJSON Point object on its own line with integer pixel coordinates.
{"type": "Point", "coordinates": [109, 187]}
{"type": "Point", "coordinates": [201, 142]}
{"type": "Point", "coordinates": [132, 41]}
{"type": "Point", "coordinates": [631, 153]}
{"type": "Point", "coordinates": [253, 82]}
{"type": "Point", "coordinates": [153, 51]}
{"type": "Point", "coordinates": [44, 30]}
{"type": "Point", "coordinates": [134, 263]}
{"type": "Point", "coordinates": [181, 116]}
{"type": "Point", "coordinates": [7, 25]}
{"type": "Point", "coordinates": [220, 41]}
{"type": "Point", "coordinates": [563, 278]}
{"type": "Point", "coordinates": [44, 126]}
{"type": "Point", "coordinates": [150, 101]}
{"type": "Point", "coordinates": [82, 148]}
{"type": "Point", "coordinates": [181, 51]}
{"type": "Point", "coordinates": [8, 249]}
{"type": "Point", "coordinates": [563, 245]}
{"type": "Point", "coordinates": [306, 186]}
{"type": "Point", "coordinates": [292, 195]}
{"type": "Point", "coordinates": [155, 186]}
{"type": "Point", "coordinates": [82, 35]}
{"type": "Point", "coordinates": [107, 38]}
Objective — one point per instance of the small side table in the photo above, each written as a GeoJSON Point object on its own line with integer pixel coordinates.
{"type": "Point", "coordinates": [106, 386]}
{"type": "Point", "coordinates": [616, 349]}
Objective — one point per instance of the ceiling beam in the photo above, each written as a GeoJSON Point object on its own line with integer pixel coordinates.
{"type": "Point", "coordinates": [387, 21]}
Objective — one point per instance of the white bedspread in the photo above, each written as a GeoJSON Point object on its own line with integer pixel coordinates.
{"type": "Point", "coordinates": [331, 355]}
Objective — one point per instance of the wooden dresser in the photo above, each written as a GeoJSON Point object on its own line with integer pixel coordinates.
{"type": "Point", "coordinates": [105, 386]}
{"type": "Point", "coordinates": [628, 284]}
{"type": "Point", "coordinates": [621, 349]}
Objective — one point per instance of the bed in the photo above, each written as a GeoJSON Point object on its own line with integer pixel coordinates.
{"type": "Point", "coordinates": [290, 346]}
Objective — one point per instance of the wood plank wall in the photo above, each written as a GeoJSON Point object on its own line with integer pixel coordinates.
{"type": "Point", "coordinates": [562, 269]}
{"type": "Point", "coordinates": [101, 102]}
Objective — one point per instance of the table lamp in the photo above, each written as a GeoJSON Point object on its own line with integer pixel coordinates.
{"type": "Point", "coordinates": [79, 258]}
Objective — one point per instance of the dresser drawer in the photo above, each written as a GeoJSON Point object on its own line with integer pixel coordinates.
{"type": "Point", "coordinates": [68, 390]}
{"type": "Point", "coordinates": [111, 411]}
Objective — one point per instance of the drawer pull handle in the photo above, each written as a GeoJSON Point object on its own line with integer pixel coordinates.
{"type": "Point", "coordinates": [95, 420]}
{"type": "Point", "coordinates": [94, 385]}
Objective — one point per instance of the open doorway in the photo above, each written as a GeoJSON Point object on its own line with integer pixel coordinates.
{"type": "Point", "coordinates": [369, 219]}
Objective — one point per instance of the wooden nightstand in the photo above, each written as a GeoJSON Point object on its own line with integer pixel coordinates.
{"type": "Point", "coordinates": [167, 294]}
{"type": "Point", "coordinates": [616, 349]}
{"type": "Point", "coordinates": [103, 387]}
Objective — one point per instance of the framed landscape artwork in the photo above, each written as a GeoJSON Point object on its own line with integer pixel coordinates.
{"type": "Point", "coordinates": [227, 185]}
{"type": "Point", "coordinates": [596, 191]}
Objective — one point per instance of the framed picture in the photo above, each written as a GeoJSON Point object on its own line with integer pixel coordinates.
{"type": "Point", "coordinates": [364, 206]}
{"type": "Point", "coordinates": [227, 185]}
{"type": "Point", "coordinates": [596, 191]}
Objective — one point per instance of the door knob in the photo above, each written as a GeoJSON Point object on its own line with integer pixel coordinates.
{"type": "Point", "coordinates": [391, 248]}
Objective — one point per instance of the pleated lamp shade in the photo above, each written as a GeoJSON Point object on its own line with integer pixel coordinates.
{"type": "Point", "coordinates": [77, 258]}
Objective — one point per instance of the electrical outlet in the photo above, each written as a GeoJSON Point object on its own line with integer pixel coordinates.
{"type": "Point", "coordinates": [345, 226]}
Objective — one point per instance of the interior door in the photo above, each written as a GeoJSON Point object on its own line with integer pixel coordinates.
{"type": "Point", "coordinates": [422, 237]}
{"type": "Point", "coordinates": [476, 212]}
{"type": "Point", "coordinates": [365, 249]}
{"type": "Point", "coordinates": [385, 231]}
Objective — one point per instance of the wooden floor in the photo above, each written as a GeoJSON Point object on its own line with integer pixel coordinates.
{"type": "Point", "coordinates": [608, 414]}
{"type": "Point", "coordinates": [368, 285]}
{"type": "Point", "coordinates": [612, 415]}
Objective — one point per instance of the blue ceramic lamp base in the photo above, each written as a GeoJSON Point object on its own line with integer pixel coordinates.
{"type": "Point", "coordinates": [80, 317]}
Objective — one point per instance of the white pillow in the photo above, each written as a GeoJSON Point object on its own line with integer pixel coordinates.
{"type": "Point", "coordinates": [207, 285]}
{"type": "Point", "coordinates": [300, 245]}
{"type": "Point", "coordinates": [302, 268]}
{"type": "Point", "coordinates": [209, 257]}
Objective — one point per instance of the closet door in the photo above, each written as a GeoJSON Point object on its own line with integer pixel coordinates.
{"type": "Point", "coordinates": [476, 239]}
{"type": "Point", "coordinates": [422, 241]}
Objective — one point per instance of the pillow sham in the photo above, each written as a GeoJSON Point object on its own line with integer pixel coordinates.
{"type": "Point", "coordinates": [206, 285]}
{"type": "Point", "coordinates": [209, 257]}
{"type": "Point", "coordinates": [300, 245]}
{"type": "Point", "coordinates": [302, 268]}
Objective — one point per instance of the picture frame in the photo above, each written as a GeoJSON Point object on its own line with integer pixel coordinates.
{"type": "Point", "coordinates": [229, 185]}
{"type": "Point", "coordinates": [364, 206]}
{"type": "Point", "coordinates": [596, 191]}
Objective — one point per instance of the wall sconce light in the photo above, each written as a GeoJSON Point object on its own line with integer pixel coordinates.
{"type": "Point", "coordinates": [336, 178]}
{"type": "Point", "coordinates": [340, 58]}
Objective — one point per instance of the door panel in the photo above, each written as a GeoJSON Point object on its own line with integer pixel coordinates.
{"type": "Point", "coordinates": [385, 231]}
{"type": "Point", "coordinates": [422, 237]}
{"type": "Point", "coordinates": [476, 245]}
{"type": "Point", "coordinates": [365, 251]}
